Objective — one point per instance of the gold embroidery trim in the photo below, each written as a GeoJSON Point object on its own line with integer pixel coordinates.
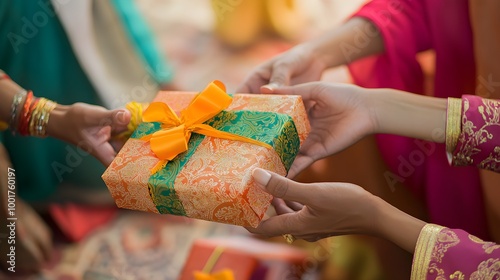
{"type": "Point", "coordinates": [423, 251]}
{"type": "Point", "coordinates": [453, 124]}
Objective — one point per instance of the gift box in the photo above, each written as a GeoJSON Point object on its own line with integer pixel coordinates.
{"type": "Point", "coordinates": [245, 258]}
{"type": "Point", "coordinates": [212, 179]}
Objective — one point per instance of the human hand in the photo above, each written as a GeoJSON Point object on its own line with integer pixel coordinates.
{"type": "Point", "coordinates": [90, 128]}
{"type": "Point", "coordinates": [339, 114]}
{"type": "Point", "coordinates": [299, 65]}
{"type": "Point", "coordinates": [329, 208]}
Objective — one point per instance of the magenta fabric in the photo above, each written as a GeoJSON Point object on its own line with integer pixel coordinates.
{"type": "Point", "coordinates": [460, 254]}
{"type": "Point", "coordinates": [479, 140]}
{"type": "Point", "coordinates": [453, 195]}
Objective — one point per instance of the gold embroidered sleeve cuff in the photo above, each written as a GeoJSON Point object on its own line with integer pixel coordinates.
{"type": "Point", "coordinates": [453, 125]}
{"type": "Point", "coordinates": [423, 251]}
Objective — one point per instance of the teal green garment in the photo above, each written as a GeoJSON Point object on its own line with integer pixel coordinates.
{"type": "Point", "coordinates": [142, 38]}
{"type": "Point", "coordinates": [38, 56]}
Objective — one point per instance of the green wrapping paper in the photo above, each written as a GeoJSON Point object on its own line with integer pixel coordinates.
{"type": "Point", "coordinates": [212, 179]}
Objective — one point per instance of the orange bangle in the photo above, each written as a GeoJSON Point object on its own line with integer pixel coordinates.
{"type": "Point", "coordinates": [32, 115]}
{"type": "Point", "coordinates": [4, 76]}
{"type": "Point", "coordinates": [23, 121]}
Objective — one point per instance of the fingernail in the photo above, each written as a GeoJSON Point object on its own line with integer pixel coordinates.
{"type": "Point", "coordinates": [261, 176]}
{"type": "Point", "coordinates": [270, 87]}
{"type": "Point", "coordinates": [120, 116]}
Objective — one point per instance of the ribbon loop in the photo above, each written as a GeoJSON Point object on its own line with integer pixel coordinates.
{"type": "Point", "coordinates": [174, 136]}
{"type": "Point", "coordinates": [161, 112]}
{"type": "Point", "coordinates": [206, 105]}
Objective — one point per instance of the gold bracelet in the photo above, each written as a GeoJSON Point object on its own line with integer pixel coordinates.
{"type": "Point", "coordinates": [453, 123]}
{"type": "Point", "coordinates": [14, 110]}
{"type": "Point", "coordinates": [40, 117]}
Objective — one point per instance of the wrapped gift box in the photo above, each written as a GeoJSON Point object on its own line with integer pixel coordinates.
{"type": "Point", "coordinates": [212, 179]}
{"type": "Point", "coordinates": [247, 258]}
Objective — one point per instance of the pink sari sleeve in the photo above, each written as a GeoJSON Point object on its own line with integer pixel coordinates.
{"type": "Point", "coordinates": [477, 132]}
{"type": "Point", "coordinates": [405, 32]}
{"type": "Point", "coordinates": [443, 253]}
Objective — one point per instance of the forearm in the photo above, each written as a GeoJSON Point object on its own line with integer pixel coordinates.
{"type": "Point", "coordinates": [355, 39]}
{"type": "Point", "coordinates": [396, 226]}
{"type": "Point", "coordinates": [411, 115]}
{"type": "Point", "coordinates": [485, 21]}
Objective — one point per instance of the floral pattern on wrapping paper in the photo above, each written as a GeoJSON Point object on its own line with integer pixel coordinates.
{"type": "Point", "coordinates": [216, 185]}
{"type": "Point", "coordinates": [267, 127]}
{"type": "Point", "coordinates": [283, 104]}
{"type": "Point", "coordinates": [161, 185]}
{"type": "Point", "coordinates": [254, 197]}
{"type": "Point", "coordinates": [277, 130]}
{"type": "Point", "coordinates": [127, 176]}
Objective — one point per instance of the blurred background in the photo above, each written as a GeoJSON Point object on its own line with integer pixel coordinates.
{"type": "Point", "coordinates": [204, 40]}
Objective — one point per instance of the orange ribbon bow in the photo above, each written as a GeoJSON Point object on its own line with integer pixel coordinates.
{"type": "Point", "coordinates": [174, 136]}
{"type": "Point", "coordinates": [225, 274]}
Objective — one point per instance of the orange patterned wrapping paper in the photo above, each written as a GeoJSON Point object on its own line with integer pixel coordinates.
{"type": "Point", "coordinates": [215, 184]}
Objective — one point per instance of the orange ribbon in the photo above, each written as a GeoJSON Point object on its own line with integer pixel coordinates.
{"type": "Point", "coordinates": [174, 136]}
{"type": "Point", "coordinates": [225, 274]}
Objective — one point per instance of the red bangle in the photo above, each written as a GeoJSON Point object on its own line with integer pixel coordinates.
{"type": "Point", "coordinates": [25, 114]}
{"type": "Point", "coordinates": [30, 115]}
{"type": "Point", "coordinates": [4, 76]}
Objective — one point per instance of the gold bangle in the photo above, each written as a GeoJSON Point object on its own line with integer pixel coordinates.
{"type": "Point", "coordinates": [40, 117]}
{"type": "Point", "coordinates": [453, 123]}
{"type": "Point", "coordinates": [14, 111]}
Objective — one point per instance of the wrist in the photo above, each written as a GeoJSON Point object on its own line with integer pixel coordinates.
{"type": "Point", "coordinates": [56, 121]}
{"type": "Point", "coordinates": [396, 226]}
{"type": "Point", "coordinates": [411, 115]}
{"type": "Point", "coordinates": [319, 52]}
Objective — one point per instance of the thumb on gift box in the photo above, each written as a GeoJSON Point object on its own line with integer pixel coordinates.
{"type": "Point", "coordinates": [280, 187]}
{"type": "Point", "coordinates": [286, 189]}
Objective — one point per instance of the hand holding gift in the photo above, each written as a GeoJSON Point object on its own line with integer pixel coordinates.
{"type": "Point", "coordinates": [211, 180]}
